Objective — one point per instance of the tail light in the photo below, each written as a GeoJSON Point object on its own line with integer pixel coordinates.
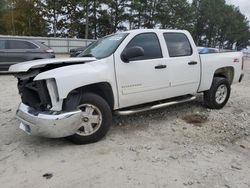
{"type": "Point", "coordinates": [242, 63]}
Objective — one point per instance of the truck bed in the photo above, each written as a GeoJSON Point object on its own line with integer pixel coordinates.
{"type": "Point", "coordinates": [212, 63]}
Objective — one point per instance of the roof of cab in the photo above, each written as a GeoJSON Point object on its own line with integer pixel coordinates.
{"type": "Point", "coordinates": [154, 30]}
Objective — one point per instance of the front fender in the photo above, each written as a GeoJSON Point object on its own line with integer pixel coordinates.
{"type": "Point", "coordinates": [71, 77]}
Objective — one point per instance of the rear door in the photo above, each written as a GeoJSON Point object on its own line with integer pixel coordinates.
{"type": "Point", "coordinates": [184, 63]}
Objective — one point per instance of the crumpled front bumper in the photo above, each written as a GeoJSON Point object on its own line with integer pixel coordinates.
{"type": "Point", "coordinates": [48, 124]}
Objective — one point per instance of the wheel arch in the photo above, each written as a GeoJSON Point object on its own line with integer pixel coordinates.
{"type": "Point", "coordinates": [225, 72]}
{"type": "Point", "coordinates": [103, 89]}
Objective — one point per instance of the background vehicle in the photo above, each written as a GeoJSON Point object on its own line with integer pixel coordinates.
{"type": "Point", "coordinates": [76, 51]}
{"type": "Point", "coordinates": [206, 50]}
{"type": "Point", "coordinates": [18, 50]}
{"type": "Point", "coordinates": [124, 73]}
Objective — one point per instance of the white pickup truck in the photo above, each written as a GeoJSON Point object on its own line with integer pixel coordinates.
{"type": "Point", "coordinates": [123, 73]}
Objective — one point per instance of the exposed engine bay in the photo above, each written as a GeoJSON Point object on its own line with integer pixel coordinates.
{"type": "Point", "coordinates": [35, 93]}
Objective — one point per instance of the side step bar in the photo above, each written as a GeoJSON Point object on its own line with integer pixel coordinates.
{"type": "Point", "coordinates": [153, 107]}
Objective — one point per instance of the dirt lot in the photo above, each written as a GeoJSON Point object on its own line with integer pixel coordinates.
{"type": "Point", "coordinates": [182, 146]}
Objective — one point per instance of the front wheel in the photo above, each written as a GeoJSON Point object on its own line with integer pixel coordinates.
{"type": "Point", "coordinates": [219, 93]}
{"type": "Point", "coordinates": [95, 120]}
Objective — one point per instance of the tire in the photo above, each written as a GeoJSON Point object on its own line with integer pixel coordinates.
{"type": "Point", "coordinates": [219, 93]}
{"type": "Point", "coordinates": [88, 102]}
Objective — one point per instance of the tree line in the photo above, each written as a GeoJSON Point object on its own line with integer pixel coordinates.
{"type": "Point", "coordinates": [211, 22]}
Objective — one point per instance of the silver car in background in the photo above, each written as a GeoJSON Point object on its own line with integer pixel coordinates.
{"type": "Point", "coordinates": [19, 50]}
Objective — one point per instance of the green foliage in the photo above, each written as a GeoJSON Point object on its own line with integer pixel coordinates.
{"type": "Point", "coordinates": [175, 14]}
{"type": "Point", "coordinates": [211, 22]}
{"type": "Point", "coordinates": [22, 17]}
{"type": "Point", "coordinates": [116, 13]}
{"type": "Point", "coordinates": [3, 9]}
{"type": "Point", "coordinates": [219, 24]}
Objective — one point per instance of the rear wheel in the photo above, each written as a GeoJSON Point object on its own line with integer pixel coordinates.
{"type": "Point", "coordinates": [219, 93]}
{"type": "Point", "coordinates": [95, 120]}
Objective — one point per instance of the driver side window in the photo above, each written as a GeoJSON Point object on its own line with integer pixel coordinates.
{"type": "Point", "coordinates": [150, 44]}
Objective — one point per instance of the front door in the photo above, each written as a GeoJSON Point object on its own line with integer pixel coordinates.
{"type": "Point", "coordinates": [146, 78]}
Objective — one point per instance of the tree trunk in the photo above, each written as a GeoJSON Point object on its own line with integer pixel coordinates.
{"type": "Point", "coordinates": [95, 21]}
{"type": "Point", "coordinates": [116, 17]}
{"type": "Point", "coordinates": [12, 19]}
{"type": "Point", "coordinates": [87, 20]}
{"type": "Point", "coordinates": [29, 20]}
{"type": "Point", "coordinates": [210, 35]}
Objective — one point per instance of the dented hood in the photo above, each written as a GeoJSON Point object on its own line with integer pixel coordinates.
{"type": "Point", "coordinates": [25, 66]}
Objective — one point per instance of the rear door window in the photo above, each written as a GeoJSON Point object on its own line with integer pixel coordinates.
{"type": "Point", "coordinates": [19, 44]}
{"type": "Point", "coordinates": [2, 44]}
{"type": "Point", "coordinates": [178, 44]}
{"type": "Point", "coordinates": [150, 44]}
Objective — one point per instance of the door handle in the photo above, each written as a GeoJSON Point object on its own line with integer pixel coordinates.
{"type": "Point", "coordinates": [160, 66]}
{"type": "Point", "coordinates": [192, 63]}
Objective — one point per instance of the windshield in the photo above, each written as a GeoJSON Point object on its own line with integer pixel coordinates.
{"type": "Point", "coordinates": [104, 47]}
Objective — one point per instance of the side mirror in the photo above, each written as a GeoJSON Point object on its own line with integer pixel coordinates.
{"type": "Point", "coordinates": [132, 52]}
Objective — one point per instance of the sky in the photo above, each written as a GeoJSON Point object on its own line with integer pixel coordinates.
{"type": "Point", "coordinates": [244, 6]}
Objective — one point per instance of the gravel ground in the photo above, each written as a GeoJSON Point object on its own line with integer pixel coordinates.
{"type": "Point", "coordinates": [185, 145]}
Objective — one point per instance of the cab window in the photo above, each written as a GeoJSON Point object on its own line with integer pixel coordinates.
{"type": "Point", "coordinates": [178, 44]}
{"type": "Point", "coordinates": [150, 44]}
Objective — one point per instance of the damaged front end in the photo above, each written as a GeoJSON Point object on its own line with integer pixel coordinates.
{"type": "Point", "coordinates": [37, 112]}
{"type": "Point", "coordinates": [40, 111]}
{"type": "Point", "coordinates": [33, 93]}
{"type": "Point", "coordinates": [48, 123]}
{"type": "Point", "coordinates": [40, 94]}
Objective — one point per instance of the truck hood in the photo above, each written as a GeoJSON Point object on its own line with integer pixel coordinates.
{"type": "Point", "coordinates": [25, 66]}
